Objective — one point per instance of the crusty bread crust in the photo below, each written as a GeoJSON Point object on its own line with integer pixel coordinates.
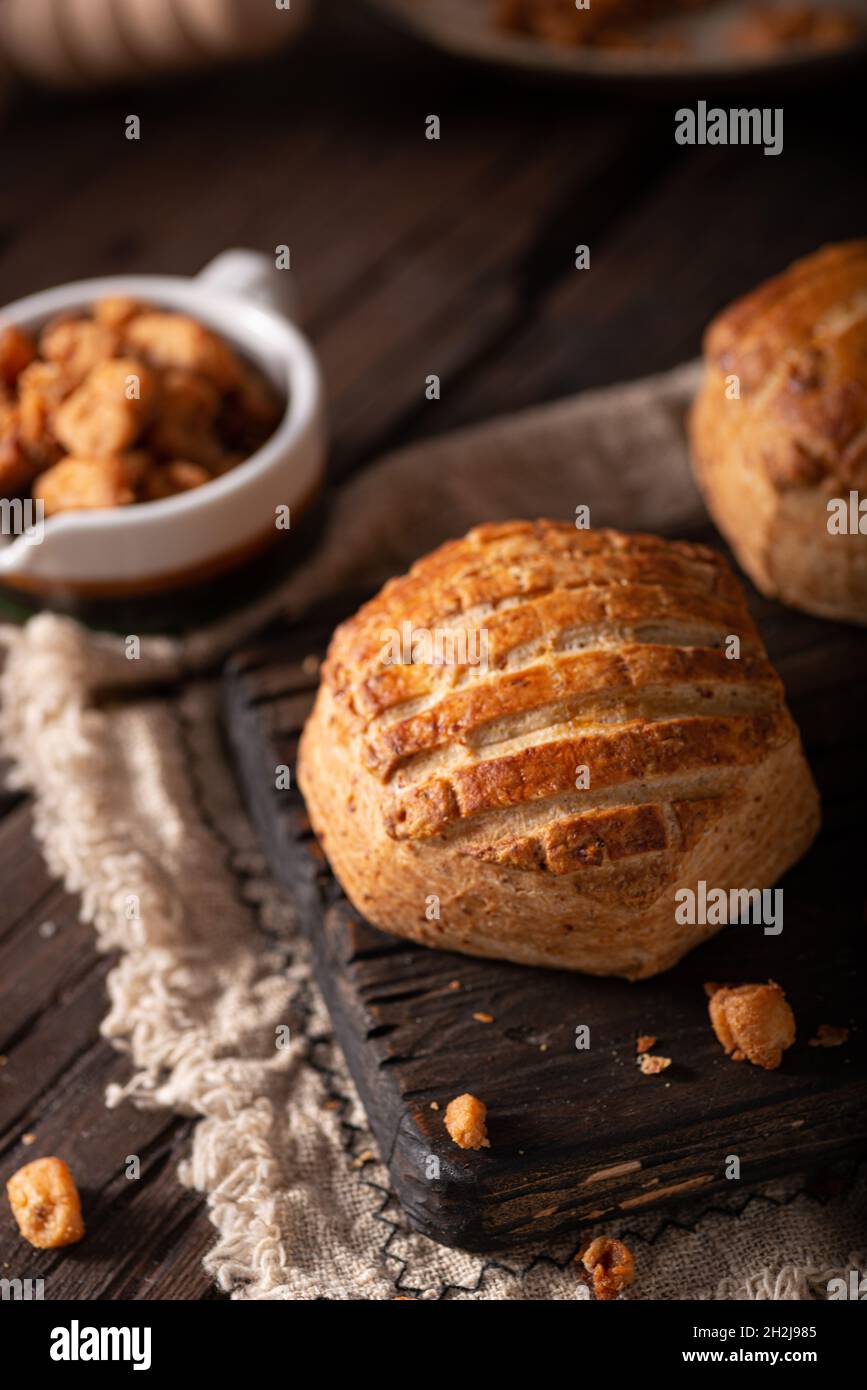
{"type": "Point", "coordinates": [769, 461]}
{"type": "Point", "coordinates": [458, 785]}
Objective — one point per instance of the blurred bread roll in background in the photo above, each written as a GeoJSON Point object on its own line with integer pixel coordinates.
{"type": "Point", "coordinates": [74, 43]}
{"type": "Point", "coordinates": [779, 432]}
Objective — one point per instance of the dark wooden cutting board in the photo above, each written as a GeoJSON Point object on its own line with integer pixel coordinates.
{"type": "Point", "coordinates": [581, 1135]}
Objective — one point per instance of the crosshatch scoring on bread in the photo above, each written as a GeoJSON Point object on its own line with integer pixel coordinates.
{"type": "Point", "coordinates": [616, 745]}
{"type": "Point", "coordinates": [124, 403]}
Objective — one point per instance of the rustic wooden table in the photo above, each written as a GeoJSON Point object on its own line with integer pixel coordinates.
{"type": "Point", "coordinates": [411, 257]}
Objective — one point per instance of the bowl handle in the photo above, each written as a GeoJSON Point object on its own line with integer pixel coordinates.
{"type": "Point", "coordinates": [252, 275]}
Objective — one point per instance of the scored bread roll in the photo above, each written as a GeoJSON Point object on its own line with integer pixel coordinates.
{"type": "Point", "coordinates": [452, 801]}
{"type": "Point", "coordinates": [779, 431]}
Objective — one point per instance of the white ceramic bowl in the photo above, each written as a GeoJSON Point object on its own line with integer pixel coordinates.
{"type": "Point", "coordinates": [152, 546]}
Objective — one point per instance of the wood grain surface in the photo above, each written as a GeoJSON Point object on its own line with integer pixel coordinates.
{"type": "Point", "coordinates": [410, 257]}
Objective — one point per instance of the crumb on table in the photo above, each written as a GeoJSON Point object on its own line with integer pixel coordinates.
{"type": "Point", "coordinates": [45, 1203]}
{"type": "Point", "coordinates": [829, 1035]}
{"type": "Point", "coordinates": [611, 1263]}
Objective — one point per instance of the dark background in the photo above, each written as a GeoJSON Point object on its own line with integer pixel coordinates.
{"type": "Point", "coordinates": [410, 257]}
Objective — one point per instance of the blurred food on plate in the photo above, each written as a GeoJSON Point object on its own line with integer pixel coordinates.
{"type": "Point", "coordinates": [766, 28]}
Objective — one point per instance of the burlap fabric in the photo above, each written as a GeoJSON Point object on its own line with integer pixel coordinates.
{"type": "Point", "coordinates": [137, 811]}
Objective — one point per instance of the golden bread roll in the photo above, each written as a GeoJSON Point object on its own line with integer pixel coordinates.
{"type": "Point", "coordinates": [779, 432]}
{"type": "Point", "coordinates": [545, 803]}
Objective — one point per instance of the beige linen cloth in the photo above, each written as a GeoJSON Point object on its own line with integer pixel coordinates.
{"type": "Point", "coordinates": [137, 811]}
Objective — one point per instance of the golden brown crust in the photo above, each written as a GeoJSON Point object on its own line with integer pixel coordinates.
{"type": "Point", "coordinates": [628, 752]}
{"type": "Point", "coordinates": [586, 770]}
{"type": "Point", "coordinates": [769, 459]}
